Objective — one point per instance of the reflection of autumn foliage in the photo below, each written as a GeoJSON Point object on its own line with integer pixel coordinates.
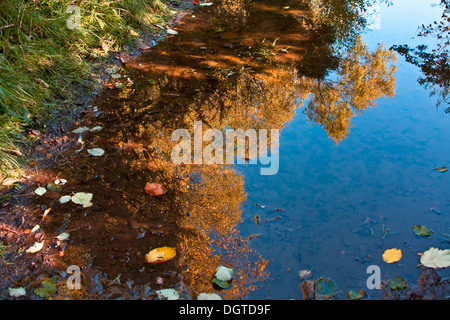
{"type": "Point", "coordinates": [361, 78]}
{"type": "Point", "coordinates": [211, 212]}
{"type": "Point", "coordinates": [257, 101]}
{"type": "Point", "coordinates": [434, 63]}
{"type": "Point", "coordinates": [205, 199]}
{"type": "Point", "coordinates": [346, 17]}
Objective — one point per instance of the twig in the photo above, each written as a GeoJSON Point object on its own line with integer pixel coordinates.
{"type": "Point", "coordinates": [3, 227]}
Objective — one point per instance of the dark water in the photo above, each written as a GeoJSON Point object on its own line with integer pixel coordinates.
{"type": "Point", "coordinates": [359, 143]}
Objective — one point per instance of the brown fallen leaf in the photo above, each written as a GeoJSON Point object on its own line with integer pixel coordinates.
{"type": "Point", "coordinates": [308, 289]}
{"type": "Point", "coordinates": [154, 189]}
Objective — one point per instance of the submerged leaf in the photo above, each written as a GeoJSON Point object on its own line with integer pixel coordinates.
{"type": "Point", "coordinates": [392, 255]}
{"type": "Point", "coordinates": [154, 189]}
{"type": "Point", "coordinates": [397, 283]}
{"type": "Point", "coordinates": [221, 284]}
{"type": "Point", "coordinates": [160, 255]}
{"type": "Point", "coordinates": [47, 289]}
{"type": "Point", "coordinates": [54, 187]}
{"type": "Point", "coordinates": [325, 286]}
{"type": "Point", "coordinates": [421, 230]}
{"type": "Point", "coordinates": [436, 258]}
{"type": "Point", "coordinates": [352, 295]}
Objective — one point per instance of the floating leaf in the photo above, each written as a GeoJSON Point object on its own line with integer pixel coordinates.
{"type": "Point", "coordinates": [224, 274]}
{"type": "Point", "coordinates": [65, 199]}
{"type": "Point", "coordinates": [208, 296]}
{"type": "Point", "coordinates": [441, 169]}
{"type": "Point", "coordinates": [160, 255]}
{"type": "Point", "coordinates": [352, 295]}
{"type": "Point", "coordinates": [47, 289]}
{"type": "Point", "coordinates": [96, 129]}
{"type": "Point", "coordinates": [221, 284]}
{"type": "Point", "coordinates": [17, 292]}
{"type": "Point", "coordinates": [154, 189]}
{"type": "Point", "coordinates": [436, 258]}
{"type": "Point", "coordinates": [63, 236]}
{"type": "Point", "coordinates": [35, 247]}
{"type": "Point", "coordinates": [169, 294]}
{"type": "Point", "coordinates": [82, 198]}
{"type": "Point", "coordinates": [325, 286]}
{"type": "Point", "coordinates": [96, 152]}
{"type": "Point", "coordinates": [392, 255]}
{"type": "Point", "coordinates": [308, 289]}
{"type": "Point", "coordinates": [422, 231]}
{"type": "Point", "coordinates": [305, 274]}
{"type": "Point", "coordinates": [397, 283]}
{"type": "Point", "coordinates": [223, 277]}
{"type": "Point", "coordinates": [40, 191]}
{"type": "Point", "coordinates": [80, 130]}
{"type": "Point", "coordinates": [205, 4]}
{"type": "Point", "coordinates": [171, 31]}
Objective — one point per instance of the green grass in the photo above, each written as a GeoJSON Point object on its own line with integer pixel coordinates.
{"type": "Point", "coordinates": [42, 60]}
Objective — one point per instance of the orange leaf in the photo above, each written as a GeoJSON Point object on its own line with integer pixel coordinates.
{"type": "Point", "coordinates": [154, 189]}
{"type": "Point", "coordinates": [159, 255]}
{"type": "Point", "coordinates": [392, 255]}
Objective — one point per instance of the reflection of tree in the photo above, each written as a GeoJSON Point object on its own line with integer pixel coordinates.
{"type": "Point", "coordinates": [346, 17]}
{"type": "Point", "coordinates": [211, 212]}
{"type": "Point", "coordinates": [435, 64]}
{"type": "Point", "coordinates": [361, 78]}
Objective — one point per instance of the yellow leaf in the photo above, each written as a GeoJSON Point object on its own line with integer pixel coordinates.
{"type": "Point", "coordinates": [392, 255]}
{"type": "Point", "coordinates": [159, 255]}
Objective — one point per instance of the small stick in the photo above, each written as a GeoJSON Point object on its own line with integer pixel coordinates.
{"type": "Point", "coordinates": [3, 227]}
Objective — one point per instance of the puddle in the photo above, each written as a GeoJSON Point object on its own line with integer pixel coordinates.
{"type": "Point", "coordinates": [354, 162]}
